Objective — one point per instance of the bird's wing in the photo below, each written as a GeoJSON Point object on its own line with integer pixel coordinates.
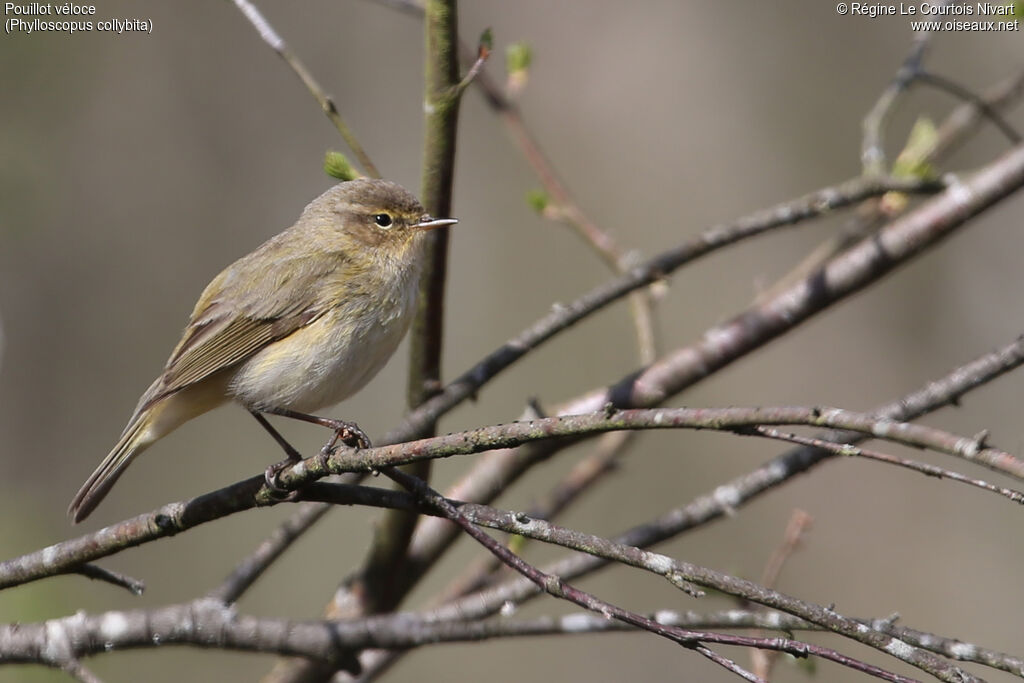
{"type": "Point", "coordinates": [225, 340]}
{"type": "Point", "coordinates": [240, 313]}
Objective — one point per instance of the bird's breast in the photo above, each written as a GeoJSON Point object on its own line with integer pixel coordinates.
{"type": "Point", "coordinates": [332, 357]}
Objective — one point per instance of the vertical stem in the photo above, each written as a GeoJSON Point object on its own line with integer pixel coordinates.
{"type": "Point", "coordinates": [442, 107]}
{"type": "Point", "coordinates": [385, 569]}
{"type": "Point", "coordinates": [384, 580]}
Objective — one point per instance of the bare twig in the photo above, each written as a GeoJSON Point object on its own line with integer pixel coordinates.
{"type": "Point", "coordinates": [433, 540]}
{"type": "Point", "coordinates": [872, 146]}
{"type": "Point", "coordinates": [566, 209]}
{"type": "Point", "coordinates": [556, 587]}
{"type": "Point", "coordinates": [799, 522]}
{"type": "Point", "coordinates": [442, 107]}
{"type": "Point", "coordinates": [277, 44]}
{"type": "Point", "coordinates": [850, 272]}
{"type": "Point", "coordinates": [176, 517]}
{"type": "Point", "coordinates": [923, 468]}
{"type": "Point", "coordinates": [979, 103]}
{"type": "Point", "coordinates": [725, 499]}
{"type": "Point", "coordinates": [675, 571]}
{"type": "Point", "coordinates": [249, 570]}
{"type": "Point", "coordinates": [92, 571]}
{"type": "Point", "coordinates": [581, 478]}
{"type": "Point", "coordinates": [934, 395]}
{"type": "Point", "coordinates": [588, 623]}
{"type": "Point", "coordinates": [564, 316]}
{"type": "Point", "coordinates": [483, 51]}
{"type": "Point", "coordinates": [482, 439]}
{"type": "Point", "coordinates": [967, 117]}
{"type": "Point", "coordinates": [80, 673]}
{"type": "Point", "coordinates": [208, 623]}
{"type": "Point", "coordinates": [872, 213]}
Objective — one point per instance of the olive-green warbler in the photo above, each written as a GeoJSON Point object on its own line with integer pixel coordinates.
{"type": "Point", "coordinates": [301, 323]}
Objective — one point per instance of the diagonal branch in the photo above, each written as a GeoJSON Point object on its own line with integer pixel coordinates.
{"type": "Point", "coordinates": [841, 277]}
{"type": "Point", "coordinates": [177, 517]}
{"type": "Point", "coordinates": [564, 316]}
{"type": "Point", "coordinates": [694, 640]}
{"type": "Point", "coordinates": [726, 498]}
{"type": "Point", "coordinates": [277, 44]}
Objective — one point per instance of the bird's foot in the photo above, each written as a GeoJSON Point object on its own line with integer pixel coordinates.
{"type": "Point", "coordinates": [347, 433]}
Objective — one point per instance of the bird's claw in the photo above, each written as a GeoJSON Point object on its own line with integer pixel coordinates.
{"type": "Point", "coordinates": [270, 476]}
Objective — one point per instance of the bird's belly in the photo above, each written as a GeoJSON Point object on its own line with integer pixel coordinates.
{"type": "Point", "coordinates": [322, 363]}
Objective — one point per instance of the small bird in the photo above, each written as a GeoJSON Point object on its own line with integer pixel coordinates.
{"type": "Point", "coordinates": [301, 323]}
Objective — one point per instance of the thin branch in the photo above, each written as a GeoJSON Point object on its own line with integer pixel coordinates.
{"type": "Point", "coordinates": [441, 103]}
{"type": "Point", "coordinates": [513, 434]}
{"type": "Point", "coordinates": [583, 476]}
{"type": "Point", "coordinates": [799, 522]}
{"type": "Point", "coordinates": [852, 271]}
{"type": "Point", "coordinates": [277, 44]}
{"type": "Point", "coordinates": [796, 528]}
{"type": "Point", "coordinates": [168, 520]}
{"type": "Point", "coordinates": [442, 106]}
{"type": "Point", "coordinates": [92, 571]}
{"type": "Point", "coordinates": [952, 647]}
{"type": "Point", "coordinates": [176, 517]}
{"type": "Point", "coordinates": [979, 103]}
{"type": "Point", "coordinates": [546, 582]}
{"type": "Point", "coordinates": [252, 567]}
{"type": "Point", "coordinates": [430, 539]}
{"type": "Point", "coordinates": [731, 666]}
{"type": "Point", "coordinates": [967, 117]}
{"type": "Point", "coordinates": [587, 623]}
{"type": "Point", "coordinates": [675, 571]}
{"type": "Point", "coordinates": [726, 498]}
{"type": "Point", "coordinates": [856, 451]}
{"type": "Point", "coordinates": [872, 146]}
{"type": "Point", "coordinates": [873, 213]}
{"type": "Point", "coordinates": [208, 623]}
{"type": "Point", "coordinates": [80, 673]}
{"type": "Point", "coordinates": [24, 643]}
{"type": "Point", "coordinates": [413, 8]}
{"type": "Point", "coordinates": [564, 316]}
{"type": "Point", "coordinates": [483, 51]}
{"type": "Point", "coordinates": [568, 210]}
{"type": "Point", "coordinates": [691, 639]}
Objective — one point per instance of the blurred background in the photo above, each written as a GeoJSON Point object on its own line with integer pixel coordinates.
{"type": "Point", "coordinates": [135, 167]}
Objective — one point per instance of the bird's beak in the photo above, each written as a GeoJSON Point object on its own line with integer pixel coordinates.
{"type": "Point", "coordinates": [428, 223]}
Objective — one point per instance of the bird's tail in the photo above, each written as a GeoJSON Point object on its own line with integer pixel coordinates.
{"type": "Point", "coordinates": [156, 416]}
{"type": "Point", "coordinates": [135, 438]}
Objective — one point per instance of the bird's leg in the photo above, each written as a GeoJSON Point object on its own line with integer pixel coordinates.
{"type": "Point", "coordinates": [348, 433]}
{"type": "Point", "coordinates": [273, 470]}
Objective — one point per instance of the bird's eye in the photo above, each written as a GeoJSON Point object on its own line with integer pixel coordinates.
{"type": "Point", "coordinates": [383, 220]}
